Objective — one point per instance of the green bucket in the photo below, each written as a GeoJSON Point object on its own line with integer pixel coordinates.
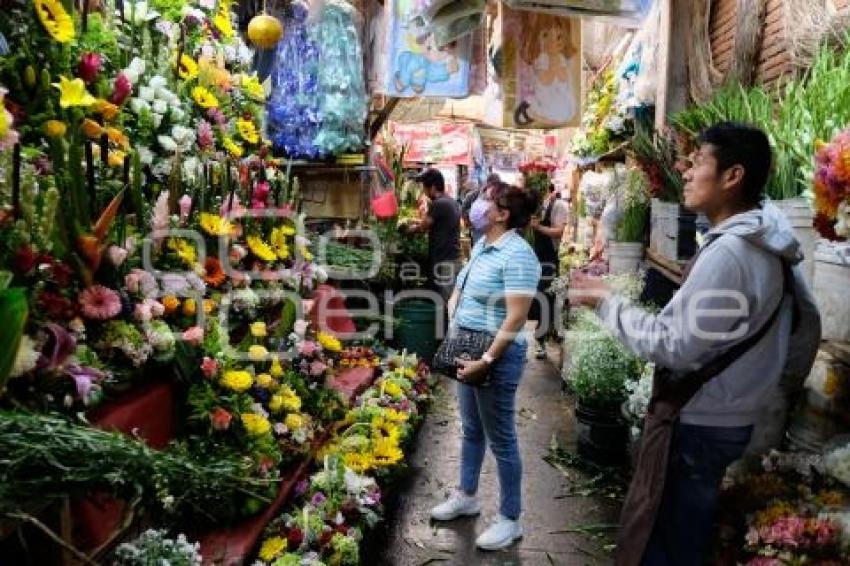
{"type": "Point", "coordinates": [416, 327]}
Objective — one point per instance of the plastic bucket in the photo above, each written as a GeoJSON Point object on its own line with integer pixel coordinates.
{"type": "Point", "coordinates": [624, 257]}
{"type": "Point", "coordinates": [416, 327]}
{"type": "Point", "coordinates": [800, 216]}
{"type": "Point", "coordinates": [820, 414]}
{"type": "Point", "coordinates": [831, 283]}
{"type": "Point", "coordinates": [602, 435]}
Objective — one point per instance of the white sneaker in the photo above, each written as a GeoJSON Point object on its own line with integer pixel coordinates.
{"type": "Point", "coordinates": [501, 534]}
{"type": "Point", "coordinates": [458, 505]}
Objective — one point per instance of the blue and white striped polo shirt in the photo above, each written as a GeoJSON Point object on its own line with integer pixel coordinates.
{"type": "Point", "coordinates": [507, 266]}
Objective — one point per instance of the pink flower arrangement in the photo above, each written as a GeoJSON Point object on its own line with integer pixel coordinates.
{"type": "Point", "coordinates": [832, 187]}
{"type": "Point", "coordinates": [537, 167]}
{"type": "Point", "coordinates": [261, 194]}
{"type": "Point", "coordinates": [140, 282]}
{"type": "Point", "coordinates": [100, 303]}
{"type": "Point", "coordinates": [194, 335]}
{"type": "Point", "coordinates": [209, 367]}
{"type": "Point", "coordinates": [795, 532]}
{"type": "Point", "coordinates": [89, 67]}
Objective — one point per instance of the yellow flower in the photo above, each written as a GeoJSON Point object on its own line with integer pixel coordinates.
{"type": "Point", "coordinates": [215, 225]}
{"type": "Point", "coordinates": [395, 416]}
{"type": "Point", "coordinates": [56, 21]}
{"type": "Point", "coordinates": [221, 20]}
{"type": "Point", "coordinates": [258, 329]}
{"type": "Point", "coordinates": [260, 249]}
{"type": "Point", "coordinates": [272, 548]}
{"type": "Point", "coordinates": [252, 87]}
{"type": "Point", "coordinates": [189, 307]}
{"type": "Point", "coordinates": [184, 250]}
{"type": "Point", "coordinates": [187, 68]}
{"type": "Point", "coordinates": [209, 306]}
{"type": "Point", "coordinates": [386, 452]}
{"type": "Point", "coordinates": [204, 98]}
{"type": "Point", "coordinates": [277, 239]}
{"type": "Point", "coordinates": [264, 380]}
{"type": "Point", "coordinates": [232, 147]}
{"type": "Point", "coordinates": [291, 401]}
{"type": "Point", "coordinates": [91, 128]}
{"type": "Point", "coordinates": [386, 429]}
{"type": "Point", "coordinates": [73, 93]}
{"type": "Point", "coordinates": [255, 425]}
{"type": "Point", "coordinates": [288, 230]}
{"type": "Point", "coordinates": [55, 129]}
{"type": "Point", "coordinates": [276, 403]}
{"type": "Point", "coordinates": [105, 108]}
{"type": "Point", "coordinates": [116, 158]}
{"type": "Point", "coordinates": [293, 422]}
{"type": "Point", "coordinates": [329, 342]}
{"type": "Point", "coordinates": [305, 253]}
{"type": "Point", "coordinates": [237, 380]}
{"type": "Point", "coordinates": [170, 302]}
{"type": "Point", "coordinates": [392, 389]}
{"type": "Point", "coordinates": [359, 463]}
{"type": "Point", "coordinates": [276, 370]}
{"type": "Point", "coordinates": [257, 353]}
{"type": "Point", "coordinates": [247, 130]}
{"type": "Point", "coordinates": [117, 137]}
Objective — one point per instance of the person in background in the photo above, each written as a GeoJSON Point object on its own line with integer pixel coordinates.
{"type": "Point", "coordinates": [735, 343]}
{"type": "Point", "coordinates": [442, 222]}
{"type": "Point", "coordinates": [549, 230]}
{"type": "Point", "coordinates": [469, 200]}
{"type": "Point", "coordinates": [495, 291]}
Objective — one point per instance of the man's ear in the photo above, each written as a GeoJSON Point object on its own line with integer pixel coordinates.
{"type": "Point", "coordinates": [733, 176]}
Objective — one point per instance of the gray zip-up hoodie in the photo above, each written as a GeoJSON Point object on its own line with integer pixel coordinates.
{"type": "Point", "coordinates": [732, 291]}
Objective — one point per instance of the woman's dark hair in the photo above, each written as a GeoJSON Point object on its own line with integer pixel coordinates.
{"type": "Point", "coordinates": [521, 204]}
{"type": "Point", "coordinates": [745, 145]}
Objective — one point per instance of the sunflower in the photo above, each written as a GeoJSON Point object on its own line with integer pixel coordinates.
{"type": "Point", "coordinates": [358, 463]}
{"type": "Point", "coordinates": [277, 239]}
{"type": "Point", "coordinates": [252, 87]}
{"type": "Point", "coordinates": [222, 21]}
{"type": "Point", "coordinates": [184, 250]}
{"type": "Point", "coordinates": [247, 130]}
{"type": "Point", "coordinates": [214, 274]}
{"type": "Point", "coordinates": [260, 249]}
{"type": "Point", "coordinates": [385, 452]}
{"type": "Point", "coordinates": [215, 225]}
{"type": "Point", "coordinates": [232, 147]}
{"type": "Point", "coordinates": [56, 21]}
{"type": "Point", "coordinates": [204, 98]}
{"type": "Point", "coordinates": [187, 68]}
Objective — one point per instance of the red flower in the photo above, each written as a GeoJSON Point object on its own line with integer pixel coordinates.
{"type": "Point", "coordinates": [89, 67]}
{"type": "Point", "coordinates": [295, 538]}
{"type": "Point", "coordinates": [221, 419]}
{"type": "Point", "coordinates": [826, 227]}
{"type": "Point", "coordinates": [55, 306]}
{"type": "Point", "coordinates": [121, 90]}
{"type": "Point", "coordinates": [25, 260]}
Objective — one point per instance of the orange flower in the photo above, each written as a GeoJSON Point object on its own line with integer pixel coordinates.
{"type": "Point", "coordinates": [91, 128]}
{"type": "Point", "coordinates": [117, 137]}
{"type": "Point", "coordinates": [106, 109]}
{"type": "Point", "coordinates": [215, 275]}
{"type": "Point", "coordinates": [171, 303]}
{"type": "Point", "coordinates": [209, 306]}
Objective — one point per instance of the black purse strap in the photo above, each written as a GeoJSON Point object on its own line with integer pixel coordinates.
{"type": "Point", "coordinates": [463, 285]}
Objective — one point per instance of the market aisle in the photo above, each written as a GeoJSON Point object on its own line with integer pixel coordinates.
{"type": "Point", "coordinates": [411, 540]}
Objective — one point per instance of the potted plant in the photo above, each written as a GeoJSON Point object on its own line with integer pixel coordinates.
{"type": "Point", "coordinates": [600, 367]}
{"type": "Point", "coordinates": [626, 252]}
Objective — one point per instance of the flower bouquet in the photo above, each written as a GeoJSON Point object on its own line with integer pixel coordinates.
{"type": "Point", "coordinates": [832, 188]}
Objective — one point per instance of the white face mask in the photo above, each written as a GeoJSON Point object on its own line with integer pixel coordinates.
{"type": "Point", "coordinates": [478, 214]}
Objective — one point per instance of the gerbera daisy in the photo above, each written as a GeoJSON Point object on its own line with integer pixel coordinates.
{"type": "Point", "coordinates": [56, 21]}
{"type": "Point", "coordinates": [204, 97]}
{"type": "Point", "coordinates": [247, 130]}
{"type": "Point", "coordinates": [215, 225]}
{"type": "Point", "coordinates": [100, 303]}
{"type": "Point", "coordinates": [214, 274]}
{"type": "Point", "coordinates": [260, 249]}
{"type": "Point", "coordinates": [187, 69]}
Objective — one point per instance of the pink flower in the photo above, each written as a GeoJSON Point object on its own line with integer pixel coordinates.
{"type": "Point", "coordinates": [231, 207]}
{"type": "Point", "coordinates": [237, 253]}
{"type": "Point", "coordinates": [141, 282]}
{"type": "Point", "coordinates": [261, 194]}
{"type": "Point", "coordinates": [121, 89]}
{"type": "Point", "coordinates": [185, 207]}
{"type": "Point", "coordinates": [143, 312]}
{"type": "Point", "coordinates": [89, 67]}
{"type": "Point", "coordinates": [100, 303]}
{"type": "Point", "coordinates": [160, 215]}
{"type": "Point", "coordinates": [220, 419]}
{"type": "Point", "coordinates": [116, 255]}
{"type": "Point", "coordinates": [206, 138]}
{"type": "Point", "coordinates": [194, 335]}
{"type": "Point", "coordinates": [209, 367]}
{"type": "Point", "coordinates": [157, 308]}
{"type": "Point", "coordinates": [317, 368]}
{"type": "Point", "coordinates": [217, 116]}
{"type": "Point", "coordinates": [307, 348]}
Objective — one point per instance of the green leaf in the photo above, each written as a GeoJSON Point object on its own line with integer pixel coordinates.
{"type": "Point", "coordinates": [13, 313]}
{"type": "Point", "coordinates": [288, 315]}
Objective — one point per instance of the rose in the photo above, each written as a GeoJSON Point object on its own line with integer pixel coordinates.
{"type": "Point", "coordinates": [209, 367]}
{"type": "Point", "coordinates": [221, 419]}
{"type": "Point", "coordinates": [194, 335]}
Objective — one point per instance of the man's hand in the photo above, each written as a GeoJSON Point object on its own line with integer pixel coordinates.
{"type": "Point", "coordinates": [587, 290]}
{"type": "Point", "coordinates": [470, 370]}
{"type": "Point", "coordinates": [534, 223]}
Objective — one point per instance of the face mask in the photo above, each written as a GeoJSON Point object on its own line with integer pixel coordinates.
{"type": "Point", "coordinates": [478, 214]}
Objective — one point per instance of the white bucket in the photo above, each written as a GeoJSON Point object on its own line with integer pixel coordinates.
{"type": "Point", "coordinates": [831, 286]}
{"type": "Point", "coordinates": [624, 257]}
{"type": "Point", "coordinates": [800, 215]}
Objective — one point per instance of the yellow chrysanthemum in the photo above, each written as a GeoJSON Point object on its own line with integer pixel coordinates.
{"type": "Point", "coordinates": [116, 158]}
{"type": "Point", "coordinates": [215, 225]}
{"type": "Point", "coordinates": [252, 87]}
{"type": "Point", "coordinates": [257, 353]}
{"type": "Point", "coordinates": [222, 21]}
{"type": "Point", "coordinates": [276, 370]}
{"type": "Point", "coordinates": [276, 403]}
{"type": "Point", "coordinates": [293, 421]}
{"type": "Point", "coordinates": [256, 425]}
{"type": "Point", "coordinates": [53, 128]}
{"type": "Point", "coordinates": [187, 68]}
{"type": "Point", "coordinates": [385, 452]}
{"type": "Point", "coordinates": [395, 416]}
{"type": "Point", "coordinates": [232, 147]}
{"type": "Point", "coordinates": [260, 249]}
{"type": "Point", "coordinates": [277, 239]}
{"type": "Point", "coordinates": [237, 380]}
{"type": "Point", "coordinates": [258, 329]}
{"type": "Point", "coordinates": [359, 463]}
{"type": "Point", "coordinates": [184, 250]}
{"type": "Point", "coordinates": [73, 93]}
{"type": "Point", "coordinates": [392, 389]}
{"type": "Point", "coordinates": [264, 380]}
{"type": "Point", "coordinates": [329, 342]}
{"type": "Point", "coordinates": [292, 402]}
{"type": "Point", "coordinates": [204, 98]}
{"type": "Point", "coordinates": [272, 548]}
{"type": "Point", "coordinates": [56, 21]}
{"type": "Point", "coordinates": [247, 130]}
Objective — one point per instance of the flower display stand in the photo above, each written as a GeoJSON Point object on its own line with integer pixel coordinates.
{"type": "Point", "coordinates": [329, 312]}
{"type": "Point", "coordinates": [146, 413]}
{"type": "Point", "coordinates": [352, 382]}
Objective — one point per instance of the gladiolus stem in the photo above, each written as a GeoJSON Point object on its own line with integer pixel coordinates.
{"type": "Point", "coordinates": [90, 177]}
{"type": "Point", "coordinates": [16, 180]}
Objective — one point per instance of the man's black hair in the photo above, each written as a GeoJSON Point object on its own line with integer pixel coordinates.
{"type": "Point", "coordinates": [735, 143]}
{"type": "Point", "coordinates": [432, 179]}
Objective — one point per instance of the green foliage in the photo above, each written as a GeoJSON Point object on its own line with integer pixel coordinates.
{"type": "Point", "coordinates": [633, 225]}
{"type": "Point", "coordinates": [13, 312]}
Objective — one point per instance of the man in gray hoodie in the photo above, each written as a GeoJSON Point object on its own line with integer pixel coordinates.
{"type": "Point", "coordinates": [744, 288]}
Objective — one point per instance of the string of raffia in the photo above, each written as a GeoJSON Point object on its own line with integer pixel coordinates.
{"type": "Point", "coordinates": [808, 25]}
{"type": "Point", "coordinates": [703, 76]}
{"type": "Point", "coordinates": [749, 25]}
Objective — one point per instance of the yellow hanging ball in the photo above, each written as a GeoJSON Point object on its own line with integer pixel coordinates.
{"type": "Point", "coordinates": [265, 31]}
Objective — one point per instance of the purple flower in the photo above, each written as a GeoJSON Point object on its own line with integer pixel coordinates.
{"type": "Point", "coordinates": [300, 488]}
{"type": "Point", "coordinates": [318, 498]}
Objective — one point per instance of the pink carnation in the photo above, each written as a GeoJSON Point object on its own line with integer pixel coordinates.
{"type": "Point", "coordinates": [209, 367]}
{"type": "Point", "coordinates": [194, 335]}
{"type": "Point", "coordinates": [100, 303]}
{"type": "Point", "coordinates": [308, 348]}
{"type": "Point", "coordinates": [317, 368]}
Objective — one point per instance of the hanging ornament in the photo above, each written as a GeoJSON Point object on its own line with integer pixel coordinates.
{"type": "Point", "coordinates": [265, 31]}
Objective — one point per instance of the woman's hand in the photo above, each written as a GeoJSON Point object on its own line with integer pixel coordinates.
{"type": "Point", "coordinates": [587, 290]}
{"type": "Point", "coordinates": [471, 370]}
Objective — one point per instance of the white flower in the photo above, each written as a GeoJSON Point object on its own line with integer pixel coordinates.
{"type": "Point", "coordinates": [26, 357]}
{"type": "Point", "coordinates": [320, 273]}
{"type": "Point", "coordinates": [135, 69]}
{"type": "Point", "coordinates": [160, 107]}
{"type": "Point", "coordinates": [147, 94]}
{"type": "Point", "coordinates": [166, 28]}
{"type": "Point", "coordinates": [207, 51]}
{"type": "Point", "coordinates": [157, 120]}
{"type": "Point", "coordinates": [181, 139]}
{"type": "Point", "coordinates": [177, 114]}
{"type": "Point", "coordinates": [167, 143]}
{"type": "Point", "coordinates": [145, 155]}
{"type": "Point", "coordinates": [139, 13]}
{"type": "Point", "coordinates": [207, 4]}
{"type": "Point", "coordinates": [157, 82]}
{"type": "Point", "coordinates": [137, 105]}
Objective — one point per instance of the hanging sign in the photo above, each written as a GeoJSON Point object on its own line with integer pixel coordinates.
{"type": "Point", "coordinates": [443, 143]}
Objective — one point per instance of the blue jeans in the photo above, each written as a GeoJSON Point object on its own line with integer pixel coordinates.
{"type": "Point", "coordinates": [699, 456]}
{"type": "Point", "coordinates": [488, 416]}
